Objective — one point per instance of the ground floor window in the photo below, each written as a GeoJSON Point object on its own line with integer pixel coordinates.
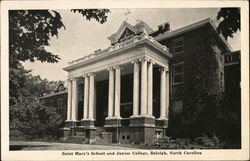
{"type": "Point", "coordinates": [178, 106]}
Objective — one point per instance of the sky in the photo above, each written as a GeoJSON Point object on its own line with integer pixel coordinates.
{"type": "Point", "coordinates": [82, 37]}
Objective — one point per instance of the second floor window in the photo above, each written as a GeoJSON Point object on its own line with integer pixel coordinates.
{"type": "Point", "coordinates": [179, 46]}
{"type": "Point", "coordinates": [178, 73]}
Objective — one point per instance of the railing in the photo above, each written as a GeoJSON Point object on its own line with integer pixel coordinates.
{"type": "Point", "coordinates": [117, 46]}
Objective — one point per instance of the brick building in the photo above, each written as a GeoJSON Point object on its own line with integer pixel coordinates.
{"type": "Point", "coordinates": [130, 89]}
{"type": "Point", "coordinates": [57, 98]}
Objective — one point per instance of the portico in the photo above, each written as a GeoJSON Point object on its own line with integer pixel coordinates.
{"type": "Point", "coordinates": [139, 56]}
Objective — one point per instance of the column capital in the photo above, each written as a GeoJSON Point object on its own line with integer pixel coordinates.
{"type": "Point", "coordinates": [74, 79]}
{"type": "Point", "coordinates": [91, 74]}
{"type": "Point", "coordinates": [135, 61]}
{"type": "Point", "coordinates": [85, 75]}
{"type": "Point", "coordinates": [143, 59]}
{"type": "Point", "coordinates": [117, 67]}
{"type": "Point", "coordinates": [110, 68]}
{"type": "Point", "coordinates": [151, 61]}
{"type": "Point", "coordinates": [164, 69]}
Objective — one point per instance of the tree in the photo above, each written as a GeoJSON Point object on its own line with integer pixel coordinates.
{"type": "Point", "coordinates": [204, 82]}
{"type": "Point", "coordinates": [229, 21]}
{"type": "Point", "coordinates": [100, 15]}
{"type": "Point", "coordinates": [31, 30]}
{"type": "Point", "coordinates": [24, 97]}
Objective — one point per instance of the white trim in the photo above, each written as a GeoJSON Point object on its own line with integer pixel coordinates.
{"type": "Point", "coordinates": [53, 94]}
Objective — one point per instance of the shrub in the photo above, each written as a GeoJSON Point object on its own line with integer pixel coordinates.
{"type": "Point", "coordinates": [208, 142]}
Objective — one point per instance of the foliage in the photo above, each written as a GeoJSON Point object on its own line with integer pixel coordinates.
{"type": "Point", "coordinates": [208, 142]}
{"type": "Point", "coordinates": [26, 114]}
{"type": "Point", "coordinates": [100, 15]}
{"type": "Point", "coordinates": [201, 142]}
{"type": "Point", "coordinates": [230, 21]}
{"type": "Point", "coordinates": [30, 32]}
{"type": "Point", "coordinates": [203, 119]}
{"type": "Point", "coordinates": [203, 91]}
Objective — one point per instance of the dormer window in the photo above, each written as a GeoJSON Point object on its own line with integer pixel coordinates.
{"type": "Point", "coordinates": [178, 46]}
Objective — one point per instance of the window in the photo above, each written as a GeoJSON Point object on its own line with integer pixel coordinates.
{"type": "Point", "coordinates": [178, 106]}
{"type": "Point", "coordinates": [178, 73]}
{"type": "Point", "coordinates": [178, 46]}
{"type": "Point", "coordinates": [60, 103]}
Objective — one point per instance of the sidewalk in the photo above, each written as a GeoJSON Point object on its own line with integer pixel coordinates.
{"type": "Point", "coordinates": [30, 145]}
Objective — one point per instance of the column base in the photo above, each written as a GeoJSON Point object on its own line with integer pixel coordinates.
{"type": "Point", "coordinates": [88, 124]}
{"type": "Point", "coordinates": [65, 133]}
{"type": "Point", "coordinates": [112, 125]}
{"type": "Point", "coordinates": [90, 135]}
{"type": "Point", "coordinates": [142, 121]}
{"type": "Point", "coordinates": [142, 130]}
{"type": "Point", "coordinates": [112, 122]}
{"type": "Point", "coordinates": [70, 123]}
{"type": "Point", "coordinates": [89, 131]}
{"type": "Point", "coordinates": [161, 123]}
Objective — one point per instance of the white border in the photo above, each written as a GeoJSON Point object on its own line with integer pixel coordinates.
{"type": "Point", "coordinates": [242, 154]}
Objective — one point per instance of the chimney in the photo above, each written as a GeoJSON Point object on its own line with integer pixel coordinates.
{"type": "Point", "coordinates": [160, 28]}
{"type": "Point", "coordinates": [167, 26]}
{"type": "Point", "coordinates": [164, 27]}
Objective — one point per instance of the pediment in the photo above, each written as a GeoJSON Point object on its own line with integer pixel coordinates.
{"type": "Point", "coordinates": [127, 33]}
{"type": "Point", "coordinates": [124, 30]}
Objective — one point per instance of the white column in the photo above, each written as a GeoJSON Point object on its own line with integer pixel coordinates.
{"type": "Point", "coordinates": [74, 100]}
{"type": "Point", "coordinates": [136, 88]}
{"type": "Point", "coordinates": [69, 107]}
{"type": "Point", "coordinates": [150, 88]}
{"type": "Point", "coordinates": [163, 94]}
{"type": "Point", "coordinates": [91, 96]}
{"type": "Point", "coordinates": [117, 91]}
{"type": "Point", "coordinates": [111, 93]}
{"type": "Point", "coordinates": [144, 87]}
{"type": "Point", "coordinates": [167, 99]}
{"type": "Point", "coordinates": [86, 97]}
{"type": "Point", "coordinates": [94, 115]}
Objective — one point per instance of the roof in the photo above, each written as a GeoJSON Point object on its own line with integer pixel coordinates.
{"type": "Point", "coordinates": [191, 27]}
{"type": "Point", "coordinates": [137, 28]}
{"type": "Point", "coordinates": [54, 94]}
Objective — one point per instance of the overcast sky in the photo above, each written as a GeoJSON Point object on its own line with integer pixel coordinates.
{"type": "Point", "coordinates": [82, 37]}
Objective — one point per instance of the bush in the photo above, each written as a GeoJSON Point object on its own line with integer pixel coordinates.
{"type": "Point", "coordinates": [34, 120]}
{"type": "Point", "coordinates": [207, 142]}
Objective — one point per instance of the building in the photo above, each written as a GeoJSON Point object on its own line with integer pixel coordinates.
{"type": "Point", "coordinates": [232, 81]}
{"type": "Point", "coordinates": [132, 87]}
{"type": "Point", "coordinates": [57, 98]}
